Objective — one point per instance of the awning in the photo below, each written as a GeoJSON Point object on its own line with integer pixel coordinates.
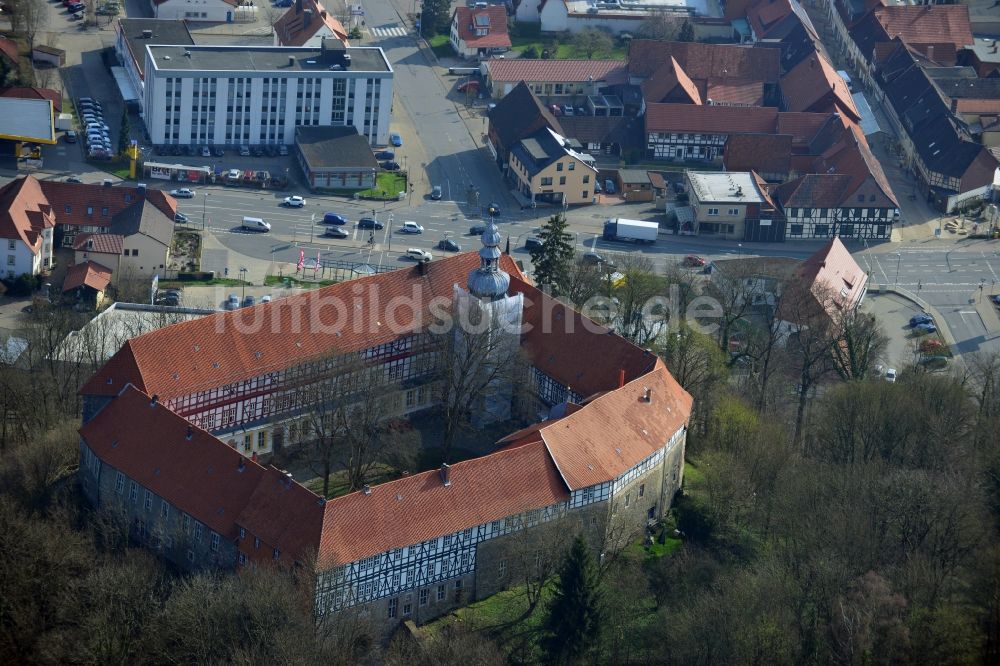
{"type": "Point", "coordinates": [128, 92]}
{"type": "Point", "coordinates": [869, 125]}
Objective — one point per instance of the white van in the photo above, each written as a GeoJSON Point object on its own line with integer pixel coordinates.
{"type": "Point", "coordinates": [255, 224]}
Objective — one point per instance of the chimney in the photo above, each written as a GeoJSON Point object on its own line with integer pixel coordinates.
{"type": "Point", "coordinates": [621, 378]}
{"type": "Point", "coordinates": [322, 14]}
{"type": "Point", "coordinates": [146, 34]}
{"type": "Point", "coordinates": [930, 52]}
{"type": "Point", "coordinates": [155, 399]}
{"type": "Point", "coordinates": [291, 61]}
{"type": "Point", "coordinates": [190, 433]}
{"type": "Point", "coordinates": [422, 266]}
{"type": "Point", "coordinates": [647, 394]}
{"type": "Point", "coordinates": [141, 189]}
{"type": "Point", "coordinates": [445, 474]}
{"type": "Point", "coordinates": [366, 489]}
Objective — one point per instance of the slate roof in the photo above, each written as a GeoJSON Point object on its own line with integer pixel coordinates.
{"type": "Point", "coordinates": [810, 81]}
{"type": "Point", "coordinates": [538, 150]}
{"type": "Point", "coordinates": [519, 114]}
{"type": "Point", "coordinates": [143, 218]}
{"type": "Point", "coordinates": [88, 274]}
{"type": "Point", "coordinates": [704, 61]}
{"type": "Point", "coordinates": [466, 19]}
{"type": "Point", "coordinates": [566, 71]}
{"type": "Point", "coordinates": [25, 212]}
{"type": "Point", "coordinates": [99, 243]}
{"type": "Point", "coordinates": [292, 30]}
{"type": "Point", "coordinates": [334, 147]}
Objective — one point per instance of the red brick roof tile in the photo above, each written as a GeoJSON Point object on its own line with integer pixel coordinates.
{"type": "Point", "coordinates": [730, 91]}
{"type": "Point", "coordinates": [931, 24]}
{"type": "Point", "coordinates": [813, 79]}
{"type": "Point", "coordinates": [292, 31]}
{"type": "Point", "coordinates": [90, 274]}
{"type": "Point", "coordinates": [99, 243]}
{"type": "Point", "coordinates": [709, 119]}
{"type": "Point", "coordinates": [668, 78]}
{"type": "Point", "coordinates": [579, 443]}
{"type": "Point", "coordinates": [495, 17]}
{"type": "Point", "coordinates": [420, 507]}
{"type": "Point", "coordinates": [565, 71]}
{"type": "Point", "coordinates": [25, 212]}
{"type": "Point", "coordinates": [71, 202]}
{"type": "Point", "coordinates": [766, 153]}
{"type": "Point", "coordinates": [705, 61]}
{"type": "Point", "coordinates": [283, 514]}
{"type": "Point", "coordinates": [24, 92]}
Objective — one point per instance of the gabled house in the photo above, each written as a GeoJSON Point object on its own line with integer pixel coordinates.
{"type": "Point", "coordinates": [308, 23]}
{"type": "Point", "coordinates": [691, 132]}
{"type": "Point", "coordinates": [104, 249]}
{"type": "Point", "coordinates": [815, 86]}
{"type": "Point", "coordinates": [517, 115]}
{"type": "Point", "coordinates": [829, 284]}
{"type": "Point", "coordinates": [87, 282]}
{"type": "Point", "coordinates": [27, 222]}
{"type": "Point", "coordinates": [478, 32]}
{"type": "Point", "coordinates": [547, 168]}
{"type": "Point", "coordinates": [563, 80]}
{"type": "Point", "coordinates": [21, 92]}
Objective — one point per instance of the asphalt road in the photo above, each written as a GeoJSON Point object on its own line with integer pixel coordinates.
{"type": "Point", "coordinates": [949, 278]}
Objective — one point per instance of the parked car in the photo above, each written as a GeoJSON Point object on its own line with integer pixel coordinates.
{"type": "Point", "coordinates": [182, 193]}
{"type": "Point", "coordinates": [206, 151]}
{"type": "Point", "coordinates": [219, 152]}
{"type": "Point", "coordinates": [410, 227]}
{"type": "Point", "coordinates": [395, 139]}
{"type": "Point", "coordinates": [233, 302]}
{"type": "Point", "coordinates": [369, 223]}
{"type": "Point", "coordinates": [694, 261]}
{"type": "Point", "coordinates": [335, 232]}
{"type": "Point", "coordinates": [532, 242]}
{"type": "Point", "coordinates": [333, 218]}
{"type": "Point", "coordinates": [385, 155]}
{"type": "Point", "coordinates": [169, 297]}
{"type": "Point", "coordinates": [916, 320]}
{"type": "Point", "coordinates": [244, 151]}
{"type": "Point", "coordinates": [890, 375]}
{"type": "Point", "coordinates": [249, 301]}
{"type": "Point", "coordinates": [180, 217]}
{"type": "Point", "coordinates": [266, 298]}
{"type": "Point", "coordinates": [592, 258]}
{"type": "Point", "coordinates": [996, 299]}
{"type": "Point", "coordinates": [567, 110]}
{"type": "Point", "coordinates": [925, 329]}
{"type": "Point", "coordinates": [283, 150]}
{"type": "Point", "coordinates": [76, 7]}
{"type": "Point", "coordinates": [69, 136]}
{"type": "Point", "coordinates": [555, 109]}
{"type": "Point", "coordinates": [436, 193]}
{"type": "Point", "coordinates": [449, 245]}
{"type": "Point", "coordinates": [295, 201]}
{"type": "Point", "coordinates": [933, 362]}
{"type": "Point", "coordinates": [477, 230]}
{"type": "Point", "coordinates": [234, 174]}
{"type": "Point", "coordinates": [469, 86]}
{"type": "Point", "coordinates": [418, 254]}
{"type": "Point", "coordinates": [258, 151]}
{"type": "Point", "coordinates": [390, 166]}
{"type": "Point", "coordinates": [73, 179]}
{"type": "Point", "coordinates": [580, 111]}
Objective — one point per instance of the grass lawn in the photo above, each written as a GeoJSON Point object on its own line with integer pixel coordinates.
{"type": "Point", "coordinates": [692, 475]}
{"type": "Point", "coordinates": [338, 481]}
{"type": "Point", "coordinates": [388, 185]}
{"type": "Point", "coordinates": [441, 46]}
{"type": "Point", "coordinates": [278, 281]}
{"type": "Point", "coordinates": [560, 46]}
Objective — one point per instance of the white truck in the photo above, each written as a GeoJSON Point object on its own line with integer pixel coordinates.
{"type": "Point", "coordinates": [630, 231]}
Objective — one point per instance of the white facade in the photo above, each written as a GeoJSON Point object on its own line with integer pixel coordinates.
{"type": "Point", "coordinates": [20, 259]}
{"type": "Point", "coordinates": [216, 11]}
{"type": "Point", "coordinates": [255, 105]}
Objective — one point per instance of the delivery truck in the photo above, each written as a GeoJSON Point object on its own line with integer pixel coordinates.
{"type": "Point", "coordinates": [630, 231]}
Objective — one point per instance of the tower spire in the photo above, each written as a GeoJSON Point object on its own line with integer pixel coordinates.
{"type": "Point", "coordinates": [488, 281]}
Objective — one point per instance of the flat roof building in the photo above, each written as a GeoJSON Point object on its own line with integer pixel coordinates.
{"type": "Point", "coordinates": [238, 95]}
{"type": "Point", "coordinates": [335, 158]}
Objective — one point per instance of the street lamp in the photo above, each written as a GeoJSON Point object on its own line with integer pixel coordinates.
{"type": "Point", "coordinates": [243, 278]}
{"type": "Point", "coordinates": [739, 250]}
{"type": "Point", "coordinates": [899, 258]}
{"type": "Point", "coordinates": [203, 202]}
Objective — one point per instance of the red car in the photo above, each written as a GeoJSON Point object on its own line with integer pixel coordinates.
{"type": "Point", "coordinates": [469, 86]}
{"type": "Point", "coordinates": [694, 260]}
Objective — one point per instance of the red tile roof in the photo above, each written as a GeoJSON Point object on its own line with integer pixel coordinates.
{"type": "Point", "coordinates": [292, 31]}
{"type": "Point", "coordinates": [284, 515]}
{"type": "Point", "coordinates": [420, 507]}
{"type": "Point", "coordinates": [833, 271]}
{"type": "Point", "coordinates": [763, 16]}
{"type": "Point", "coordinates": [709, 119]}
{"type": "Point", "coordinates": [25, 212]}
{"type": "Point", "coordinates": [705, 61]}
{"type": "Point", "coordinates": [70, 202]}
{"type": "Point", "coordinates": [670, 78]}
{"type": "Point", "coordinates": [90, 274]}
{"type": "Point", "coordinates": [35, 93]}
{"type": "Point", "coordinates": [8, 47]}
{"type": "Point", "coordinates": [579, 443]}
{"type": "Point", "coordinates": [729, 91]}
{"type": "Point", "coordinates": [100, 243]}
{"type": "Point", "coordinates": [813, 79]}
{"type": "Point", "coordinates": [931, 24]}
{"type": "Point", "coordinates": [766, 153]}
{"type": "Point", "coordinates": [467, 19]}
{"type": "Point", "coordinates": [565, 71]}
{"type": "Point", "coordinates": [976, 106]}
{"type": "Point", "coordinates": [200, 476]}
{"type": "Point", "coordinates": [801, 126]}
{"type": "Point", "coordinates": [216, 350]}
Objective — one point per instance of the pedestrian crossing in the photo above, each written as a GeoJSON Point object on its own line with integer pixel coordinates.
{"type": "Point", "coordinates": [389, 31]}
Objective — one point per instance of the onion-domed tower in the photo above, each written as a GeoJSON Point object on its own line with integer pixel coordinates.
{"type": "Point", "coordinates": [488, 281]}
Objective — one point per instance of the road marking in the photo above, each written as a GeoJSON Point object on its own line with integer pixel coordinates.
{"type": "Point", "coordinates": [389, 31]}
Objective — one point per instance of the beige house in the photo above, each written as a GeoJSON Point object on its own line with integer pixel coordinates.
{"type": "Point", "coordinates": [146, 234]}
{"type": "Point", "coordinates": [549, 168]}
{"type": "Point", "coordinates": [723, 201]}
{"type": "Point", "coordinates": [105, 249]}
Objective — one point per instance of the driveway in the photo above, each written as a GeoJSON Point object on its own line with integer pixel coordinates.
{"type": "Point", "coordinates": [894, 314]}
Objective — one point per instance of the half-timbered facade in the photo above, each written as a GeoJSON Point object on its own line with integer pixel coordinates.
{"type": "Point", "coordinates": [178, 413]}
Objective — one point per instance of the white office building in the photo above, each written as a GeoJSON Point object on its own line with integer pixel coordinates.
{"type": "Point", "coordinates": [241, 95]}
